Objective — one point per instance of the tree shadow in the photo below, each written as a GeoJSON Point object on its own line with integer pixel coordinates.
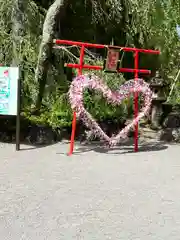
{"type": "Point", "coordinates": [124, 148]}
{"type": "Point", "coordinates": [30, 147]}
{"type": "Point", "coordinates": [26, 146]}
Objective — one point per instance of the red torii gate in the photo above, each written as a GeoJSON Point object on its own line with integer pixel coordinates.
{"type": "Point", "coordinates": [82, 66]}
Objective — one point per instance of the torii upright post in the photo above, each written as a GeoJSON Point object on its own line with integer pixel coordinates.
{"type": "Point", "coordinates": [81, 61]}
{"type": "Point", "coordinates": [136, 63]}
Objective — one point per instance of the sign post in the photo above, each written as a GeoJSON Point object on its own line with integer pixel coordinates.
{"type": "Point", "coordinates": [10, 96]}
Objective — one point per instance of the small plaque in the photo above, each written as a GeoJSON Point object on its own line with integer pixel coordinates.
{"type": "Point", "coordinates": [112, 62]}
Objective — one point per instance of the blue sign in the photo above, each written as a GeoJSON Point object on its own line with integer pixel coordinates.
{"type": "Point", "coordinates": [9, 77]}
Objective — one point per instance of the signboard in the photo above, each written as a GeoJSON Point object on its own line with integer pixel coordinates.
{"type": "Point", "coordinates": [10, 96]}
{"type": "Point", "coordinates": [9, 77]}
{"type": "Point", "coordinates": [178, 30]}
{"type": "Point", "coordinates": [112, 61]}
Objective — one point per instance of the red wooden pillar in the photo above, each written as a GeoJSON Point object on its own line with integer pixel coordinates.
{"type": "Point", "coordinates": [81, 61]}
{"type": "Point", "coordinates": [136, 63]}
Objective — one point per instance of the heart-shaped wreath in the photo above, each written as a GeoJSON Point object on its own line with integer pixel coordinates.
{"type": "Point", "coordinates": [80, 83]}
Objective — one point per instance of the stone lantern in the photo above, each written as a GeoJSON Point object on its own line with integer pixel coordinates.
{"type": "Point", "coordinates": [158, 88]}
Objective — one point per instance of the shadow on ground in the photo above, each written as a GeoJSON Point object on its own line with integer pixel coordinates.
{"type": "Point", "coordinates": [123, 148]}
{"type": "Point", "coordinates": [26, 146]}
{"type": "Point", "coordinates": [29, 147]}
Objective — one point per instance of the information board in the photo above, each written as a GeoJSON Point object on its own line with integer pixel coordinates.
{"type": "Point", "coordinates": [9, 77]}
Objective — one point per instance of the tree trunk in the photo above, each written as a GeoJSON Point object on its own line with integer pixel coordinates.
{"type": "Point", "coordinates": [17, 30]}
{"type": "Point", "coordinates": [54, 14]}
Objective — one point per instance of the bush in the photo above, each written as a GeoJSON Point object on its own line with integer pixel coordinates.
{"type": "Point", "coordinates": [57, 112]}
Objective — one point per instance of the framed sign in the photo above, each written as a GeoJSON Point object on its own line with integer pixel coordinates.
{"type": "Point", "coordinates": [9, 77]}
{"type": "Point", "coordinates": [10, 96]}
{"type": "Point", "coordinates": [111, 63]}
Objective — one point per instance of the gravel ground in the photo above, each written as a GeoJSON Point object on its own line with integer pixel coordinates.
{"type": "Point", "coordinates": [92, 195]}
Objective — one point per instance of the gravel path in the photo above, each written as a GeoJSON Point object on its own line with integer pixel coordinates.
{"type": "Point", "coordinates": [93, 195]}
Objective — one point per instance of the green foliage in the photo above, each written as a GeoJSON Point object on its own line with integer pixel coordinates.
{"type": "Point", "coordinates": [59, 113]}
{"type": "Point", "coordinates": [147, 24]}
{"type": "Point", "coordinates": [29, 44]}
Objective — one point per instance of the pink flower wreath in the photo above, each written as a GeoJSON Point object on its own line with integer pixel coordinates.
{"type": "Point", "coordinates": [80, 83]}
